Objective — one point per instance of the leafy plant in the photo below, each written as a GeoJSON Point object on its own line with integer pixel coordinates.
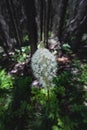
{"type": "Point", "coordinates": [5, 80]}
{"type": "Point", "coordinates": [46, 112]}
{"type": "Point", "coordinates": [19, 106]}
{"type": "Point", "coordinates": [23, 55]}
{"type": "Point", "coordinates": [71, 97]}
{"type": "Point", "coordinates": [66, 47]}
{"type": "Point", "coordinates": [6, 86]}
{"type": "Point", "coordinates": [84, 73]}
{"type": "Point", "coordinates": [25, 38]}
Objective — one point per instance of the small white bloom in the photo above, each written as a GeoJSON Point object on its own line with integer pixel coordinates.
{"type": "Point", "coordinates": [44, 66]}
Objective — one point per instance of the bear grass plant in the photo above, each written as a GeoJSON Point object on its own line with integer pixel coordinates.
{"type": "Point", "coordinates": [65, 108]}
{"type": "Point", "coordinates": [44, 67]}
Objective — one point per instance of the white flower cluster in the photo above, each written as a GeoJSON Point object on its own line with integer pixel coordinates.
{"type": "Point", "coordinates": [44, 66]}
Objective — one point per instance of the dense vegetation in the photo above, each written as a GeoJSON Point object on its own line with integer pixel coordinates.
{"type": "Point", "coordinates": [43, 65]}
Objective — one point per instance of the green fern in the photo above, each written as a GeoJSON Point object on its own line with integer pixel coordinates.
{"type": "Point", "coordinates": [5, 80]}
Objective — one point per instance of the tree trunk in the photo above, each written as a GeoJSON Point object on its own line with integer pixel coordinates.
{"type": "Point", "coordinates": [77, 26]}
{"type": "Point", "coordinates": [5, 40]}
{"type": "Point", "coordinates": [63, 8]}
{"type": "Point", "coordinates": [48, 18]}
{"type": "Point", "coordinates": [13, 17]}
{"type": "Point", "coordinates": [32, 26]}
{"type": "Point", "coordinates": [41, 19]}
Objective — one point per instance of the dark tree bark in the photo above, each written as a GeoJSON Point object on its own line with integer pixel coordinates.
{"type": "Point", "coordinates": [56, 12]}
{"type": "Point", "coordinates": [44, 20]}
{"type": "Point", "coordinates": [41, 18]}
{"type": "Point", "coordinates": [63, 8]}
{"type": "Point", "coordinates": [11, 9]}
{"type": "Point", "coordinates": [77, 26]}
{"type": "Point", "coordinates": [72, 8]}
{"type": "Point", "coordinates": [32, 26]}
{"type": "Point", "coordinates": [48, 18]}
{"type": "Point", "coordinates": [5, 40]}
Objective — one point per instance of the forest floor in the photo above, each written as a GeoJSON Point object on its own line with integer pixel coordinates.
{"type": "Point", "coordinates": [24, 68]}
{"type": "Point", "coordinates": [64, 59]}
